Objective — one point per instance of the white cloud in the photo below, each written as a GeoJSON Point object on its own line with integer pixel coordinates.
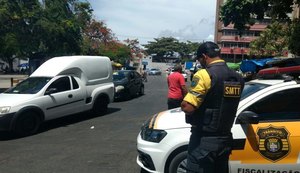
{"type": "Point", "coordinates": [147, 19]}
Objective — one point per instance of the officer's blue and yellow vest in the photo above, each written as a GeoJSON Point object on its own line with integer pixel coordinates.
{"type": "Point", "coordinates": [216, 92]}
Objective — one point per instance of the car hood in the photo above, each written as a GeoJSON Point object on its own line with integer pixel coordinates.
{"type": "Point", "coordinates": [170, 119]}
{"type": "Point", "coordinates": [14, 99]}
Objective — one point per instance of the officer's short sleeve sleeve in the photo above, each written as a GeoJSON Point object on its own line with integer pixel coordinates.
{"type": "Point", "coordinates": [200, 85]}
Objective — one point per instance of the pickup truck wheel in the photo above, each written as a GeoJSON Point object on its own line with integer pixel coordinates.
{"type": "Point", "coordinates": [178, 163]}
{"type": "Point", "coordinates": [100, 106]}
{"type": "Point", "coordinates": [27, 123]}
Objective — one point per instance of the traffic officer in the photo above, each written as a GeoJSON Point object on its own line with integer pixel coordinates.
{"type": "Point", "coordinates": [210, 107]}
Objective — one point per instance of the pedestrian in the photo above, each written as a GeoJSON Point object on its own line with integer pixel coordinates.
{"type": "Point", "coordinates": [210, 107]}
{"type": "Point", "coordinates": [176, 87]}
{"type": "Point", "coordinates": [143, 74]}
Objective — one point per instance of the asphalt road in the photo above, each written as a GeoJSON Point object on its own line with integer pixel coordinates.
{"type": "Point", "coordinates": [85, 143]}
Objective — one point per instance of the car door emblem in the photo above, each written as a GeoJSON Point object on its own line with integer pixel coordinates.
{"type": "Point", "coordinates": [273, 142]}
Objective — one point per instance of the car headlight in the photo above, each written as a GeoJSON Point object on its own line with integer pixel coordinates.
{"type": "Point", "coordinates": [153, 135]}
{"type": "Point", "coordinates": [4, 110]}
{"type": "Point", "coordinates": [119, 88]}
{"type": "Point", "coordinates": [150, 134]}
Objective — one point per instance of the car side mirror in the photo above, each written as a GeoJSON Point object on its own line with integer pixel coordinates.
{"type": "Point", "coordinates": [50, 91]}
{"type": "Point", "coordinates": [247, 117]}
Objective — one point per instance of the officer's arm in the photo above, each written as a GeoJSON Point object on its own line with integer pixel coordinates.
{"type": "Point", "coordinates": [187, 108]}
{"type": "Point", "coordinates": [196, 94]}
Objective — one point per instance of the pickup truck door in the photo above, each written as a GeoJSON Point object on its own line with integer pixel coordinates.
{"type": "Point", "coordinates": [66, 97]}
{"type": "Point", "coordinates": [272, 145]}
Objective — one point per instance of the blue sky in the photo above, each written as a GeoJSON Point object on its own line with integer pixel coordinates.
{"type": "Point", "coordinates": [144, 20]}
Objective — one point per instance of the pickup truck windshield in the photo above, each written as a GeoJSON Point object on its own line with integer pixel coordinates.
{"type": "Point", "coordinates": [30, 85]}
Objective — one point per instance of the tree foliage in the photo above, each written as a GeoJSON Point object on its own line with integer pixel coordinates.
{"type": "Point", "coordinates": [168, 45]}
{"type": "Point", "coordinates": [118, 52]}
{"type": "Point", "coordinates": [134, 45]}
{"type": "Point", "coordinates": [243, 13]}
{"type": "Point", "coordinates": [17, 36]}
{"type": "Point", "coordinates": [95, 34]}
{"type": "Point", "coordinates": [294, 44]}
{"type": "Point", "coordinates": [98, 39]}
{"type": "Point", "coordinates": [49, 28]}
{"type": "Point", "coordinates": [61, 28]}
{"type": "Point", "coordinates": [273, 41]}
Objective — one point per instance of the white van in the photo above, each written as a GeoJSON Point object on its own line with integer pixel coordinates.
{"type": "Point", "coordinates": [59, 87]}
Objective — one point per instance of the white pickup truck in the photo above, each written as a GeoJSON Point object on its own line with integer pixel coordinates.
{"type": "Point", "coordinates": [61, 86]}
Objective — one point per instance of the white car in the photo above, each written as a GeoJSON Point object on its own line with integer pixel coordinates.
{"type": "Point", "coordinates": [266, 133]}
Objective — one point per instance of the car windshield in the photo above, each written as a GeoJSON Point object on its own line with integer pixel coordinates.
{"type": "Point", "coordinates": [119, 75]}
{"type": "Point", "coordinates": [251, 88]}
{"type": "Point", "coordinates": [30, 85]}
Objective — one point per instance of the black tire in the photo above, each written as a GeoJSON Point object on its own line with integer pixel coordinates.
{"type": "Point", "coordinates": [100, 106]}
{"type": "Point", "coordinates": [27, 124]}
{"type": "Point", "coordinates": [178, 163]}
{"type": "Point", "coordinates": [142, 91]}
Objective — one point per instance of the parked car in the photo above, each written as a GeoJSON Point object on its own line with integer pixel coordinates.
{"type": "Point", "coordinates": [128, 84]}
{"type": "Point", "coordinates": [266, 132]}
{"type": "Point", "coordinates": [59, 87]}
{"type": "Point", "coordinates": [154, 71]}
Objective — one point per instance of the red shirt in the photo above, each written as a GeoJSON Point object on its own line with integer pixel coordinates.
{"type": "Point", "coordinates": [175, 81]}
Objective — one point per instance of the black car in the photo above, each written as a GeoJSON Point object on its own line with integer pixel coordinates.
{"type": "Point", "coordinates": [128, 84]}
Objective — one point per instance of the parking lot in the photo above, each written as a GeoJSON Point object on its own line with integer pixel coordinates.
{"type": "Point", "coordinates": [84, 142]}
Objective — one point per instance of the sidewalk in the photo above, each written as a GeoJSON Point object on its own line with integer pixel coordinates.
{"type": "Point", "coordinates": [6, 81]}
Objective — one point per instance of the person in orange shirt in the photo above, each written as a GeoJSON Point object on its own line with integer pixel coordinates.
{"type": "Point", "coordinates": [177, 88]}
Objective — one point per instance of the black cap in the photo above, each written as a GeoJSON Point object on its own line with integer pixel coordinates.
{"type": "Point", "coordinates": [209, 48]}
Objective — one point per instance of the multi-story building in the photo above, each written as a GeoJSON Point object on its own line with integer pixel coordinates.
{"type": "Point", "coordinates": [235, 45]}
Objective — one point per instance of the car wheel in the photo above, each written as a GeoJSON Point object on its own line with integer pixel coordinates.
{"type": "Point", "coordinates": [178, 163]}
{"type": "Point", "coordinates": [142, 91]}
{"type": "Point", "coordinates": [100, 106]}
{"type": "Point", "coordinates": [27, 123]}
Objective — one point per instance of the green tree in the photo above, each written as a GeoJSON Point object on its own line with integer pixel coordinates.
{"type": "Point", "coordinates": [273, 41]}
{"type": "Point", "coordinates": [167, 46]}
{"type": "Point", "coordinates": [189, 49]}
{"type": "Point", "coordinates": [116, 51]}
{"type": "Point", "coordinates": [135, 48]}
{"type": "Point", "coordinates": [95, 34]}
{"type": "Point", "coordinates": [243, 13]}
{"type": "Point", "coordinates": [52, 28]}
{"type": "Point", "coordinates": [59, 28]}
{"type": "Point", "coordinates": [294, 44]}
{"type": "Point", "coordinates": [162, 46]}
{"type": "Point", "coordinates": [17, 29]}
